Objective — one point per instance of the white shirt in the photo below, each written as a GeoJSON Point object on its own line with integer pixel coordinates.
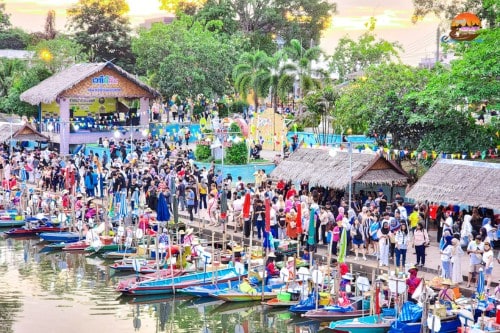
{"type": "Point", "coordinates": [475, 258]}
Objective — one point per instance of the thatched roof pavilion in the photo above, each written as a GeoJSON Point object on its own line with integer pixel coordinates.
{"type": "Point", "coordinates": [55, 86]}
{"type": "Point", "coordinates": [460, 182]}
{"type": "Point", "coordinates": [329, 168]}
{"type": "Point", "coordinates": [20, 132]}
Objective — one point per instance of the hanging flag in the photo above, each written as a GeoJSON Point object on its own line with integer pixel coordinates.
{"type": "Point", "coordinates": [246, 206]}
{"type": "Point", "coordinates": [343, 246]}
{"type": "Point", "coordinates": [268, 215]}
{"type": "Point", "coordinates": [312, 227]}
{"type": "Point", "coordinates": [298, 220]}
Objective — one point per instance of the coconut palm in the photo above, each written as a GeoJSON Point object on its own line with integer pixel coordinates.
{"type": "Point", "coordinates": [302, 59]}
{"type": "Point", "coordinates": [251, 75]}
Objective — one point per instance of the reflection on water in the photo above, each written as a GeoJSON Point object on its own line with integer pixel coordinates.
{"type": "Point", "coordinates": [71, 293]}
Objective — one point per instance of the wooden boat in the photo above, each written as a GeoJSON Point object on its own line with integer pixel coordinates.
{"type": "Point", "coordinates": [162, 273]}
{"type": "Point", "coordinates": [207, 290]}
{"type": "Point", "coordinates": [233, 295]}
{"type": "Point", "coordinates": [76, 246]}
{"type": "Point", "coordinates": [167, 285]}
{"type": "Point", "coordinates": [103, 248]}
{"type": "Point", "coordinates": [128, 253]}
{"type": "Point", "coordinates": [60, 237]}
{"type": "Point", "coordinates": [373, 324]}
{"type": "Point", "coordinates": [127, 265]}
{"type": "Point", "coordinates": [325, 315]}
{"type": "Point", "coordinates": [24, 232]}
{"type": "Point", "coordinates": [10, 223]}
{"type": "Point", "coordinates": [277, 303]}
{"type": "Point", "coordinates": [448, 325]}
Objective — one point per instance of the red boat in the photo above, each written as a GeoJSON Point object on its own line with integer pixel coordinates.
{"type": "Point", "coordinates": [77, 246]}
{"type": "Point", "coordinates": [162, 273]}
{"type": "Point", "coordinates": [24, 232]}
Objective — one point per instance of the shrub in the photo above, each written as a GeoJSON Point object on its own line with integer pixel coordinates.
{"type": "Point", "coordinates": [237, 153]}
{"type": "Point", "coordinates": [202, 152]}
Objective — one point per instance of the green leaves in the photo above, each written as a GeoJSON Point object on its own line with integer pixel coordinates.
{"type": "Point", "coordinates": [103, 30]}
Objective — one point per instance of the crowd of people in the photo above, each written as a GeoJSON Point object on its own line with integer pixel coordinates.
{"type": "Point", "coordinates": [373, 224]}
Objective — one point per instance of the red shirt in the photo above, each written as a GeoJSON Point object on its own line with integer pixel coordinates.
{"type": "Point", "coordinates": [291, 193]}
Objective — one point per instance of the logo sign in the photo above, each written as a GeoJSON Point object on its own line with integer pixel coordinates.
{"type": "Point", "coordinates": [465, 27]}
{"type": "Point", "coordinates": [103, 85]}
{"type": "Point", "coordinates": [105, 80]}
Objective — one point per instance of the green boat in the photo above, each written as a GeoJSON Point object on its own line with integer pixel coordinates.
{"type": "Point", "coordinates": [372, 324]}
{"type": "Point", "coordinates": [104, 248]}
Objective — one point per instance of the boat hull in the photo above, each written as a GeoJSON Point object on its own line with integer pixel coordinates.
{"type": "Point", "coordinates": [363, 324]}
{"type": "Point", "coordinates": [167, 286]}
{"type": "Point", "coordinates": [244, 297]}
{"type": "Point", "coordinates": [63, 237]}
{"type": "Point", "coordinates": [11, 223]}
{"type": "Point", "coordinates": [322, 314]}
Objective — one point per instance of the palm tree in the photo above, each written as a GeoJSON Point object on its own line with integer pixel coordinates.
{"type": "Point", "coordinates": [9, 70]}
{"type": "Point", "coordinates": [251, 75]}
{"type": "Point", "coordinates": [302, 59]}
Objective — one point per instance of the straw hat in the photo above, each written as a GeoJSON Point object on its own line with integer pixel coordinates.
{"type": "Point", "coordinates": [447, 282]}
{"type": "Point", "coordinates": [383, 277]}
{"type": "Point", "coordinates": [189, 231]}
{"type": "Point", "coordinates": [412, 268]}
{"type": "Point", "coordinates": [348, 276]}
{"type": "Point", "coordinates": [79, 195]}
{"type": "Point", "coordinates": [182, 232]}
{"type": "Point", "coordinates": [148, 210]}
{"type": "Point", "coordinates": [290, 259]}
{"type": "Point", "coordinates": [272, 255]}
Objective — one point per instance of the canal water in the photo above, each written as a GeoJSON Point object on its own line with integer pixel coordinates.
{"type": "Point", "coordinates": [57, 292]}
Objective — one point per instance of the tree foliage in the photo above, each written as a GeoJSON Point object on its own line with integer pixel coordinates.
{"type": "Point", "coordinates": [352, 56]}
{"type": "Point", "coordinates": [59, 53]}
{"type": "Point", "coordinates": [380, 103]}
{"type": "Point", "coordinates": [187, 58]}
{"type": "Point", "coordinates": [260, 19]}
{"type": "Point", "coordinates": [487, 10]}
{"type": "Point", "coordinates": [250, 75]}
{"type": "Point", "coordinates": [237, 153]}
{"type": "Point", "coordinates": [50, 25]}
{"type": "Point", "coordinates": [21, 82]}
{"type": "Point", "coordinates": [103, 29]}
{"type": "Point", "coordinates": [14, 39]}
{"type": "Point", "coordinates": [4, 18]}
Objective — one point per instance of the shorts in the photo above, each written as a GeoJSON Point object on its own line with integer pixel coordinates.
{"type": "Point", "coordinates": [357, 241]}
{"type": "Point", "coordinates": [474, 268]}
{"type": "Point", "coordinates": [488, 270]}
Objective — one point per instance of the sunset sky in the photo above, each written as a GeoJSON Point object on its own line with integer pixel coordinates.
{"type": "Point", "coordinates": [393, 21]}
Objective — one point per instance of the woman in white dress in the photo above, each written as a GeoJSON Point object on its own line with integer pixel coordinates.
{"type": "Point", "coordinates": [456, 261]}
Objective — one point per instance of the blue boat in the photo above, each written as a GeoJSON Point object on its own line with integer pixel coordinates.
{"type": "Point", "coordinates": [206, 290]}
{"type": "Point", "coordinates": [60, 237]}
{"type": "Point", "coordinates": [167, 285]}
{"type": "Point", "coordinates": [12, 223]}
{"type": "Point", "coordinates": [450, 325]}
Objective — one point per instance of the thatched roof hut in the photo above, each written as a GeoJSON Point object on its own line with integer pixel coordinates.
{"type": "Point", "coordinates": [460, 182]}
{"type": "Point", "coordinates": [50, 89]}
{"type": "Point", "coordinates": [20, 132]}
{"type": "Point", "coordinates": [328, 168]}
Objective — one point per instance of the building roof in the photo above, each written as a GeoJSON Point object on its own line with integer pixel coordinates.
{"type": "Point", "coordinates": [17, 54]}
{"type": "Point", "coordinates": [48, 90]}
{"type": "Point", "coordinates": [459, 182]}
{"type": "Point", "coordinates": [20, 132]}
{"type": "Point", "coordinates": [329, 168]}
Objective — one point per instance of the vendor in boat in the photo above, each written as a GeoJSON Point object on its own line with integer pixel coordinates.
{"type": "Point", "coordinates": [290, 266]}
{"type": "Point", "coordinates": [188, 237]}
{"type": "Point", "coordinates": [345, 284]}
{"type": "Point", "coordinates": [446, 293]}
{"type": "Point", "coordinates": [412, 281]}
{"type": "Point", "coordinates": [271, 268]}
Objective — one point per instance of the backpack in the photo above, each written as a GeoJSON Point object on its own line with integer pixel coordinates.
{"type": "Point", "coordinates": [282, 220]}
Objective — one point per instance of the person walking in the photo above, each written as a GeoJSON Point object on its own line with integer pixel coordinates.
{"type": "Point", "coordinates": [190, 201]}
{"type": "Point", "coordinates": [420, 241]}
{"type": "Point", "coordinates": [384, 235]}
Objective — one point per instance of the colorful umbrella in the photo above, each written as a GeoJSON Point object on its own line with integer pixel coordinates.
{"type": "Point", "coordinates": [246, 206]}
{"type": "Point", "coordinates": [312, 227]}
{"type": "Point", "coordinates": [343, 246]}
{"type": "Point", "coordinates": [298, 220]}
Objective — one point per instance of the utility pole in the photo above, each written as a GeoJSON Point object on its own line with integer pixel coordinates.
{"type": "Point", "coordinates": [438, 41]}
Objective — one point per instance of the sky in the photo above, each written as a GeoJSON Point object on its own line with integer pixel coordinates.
{"type": "Point", "coordinates": [393, 22]}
